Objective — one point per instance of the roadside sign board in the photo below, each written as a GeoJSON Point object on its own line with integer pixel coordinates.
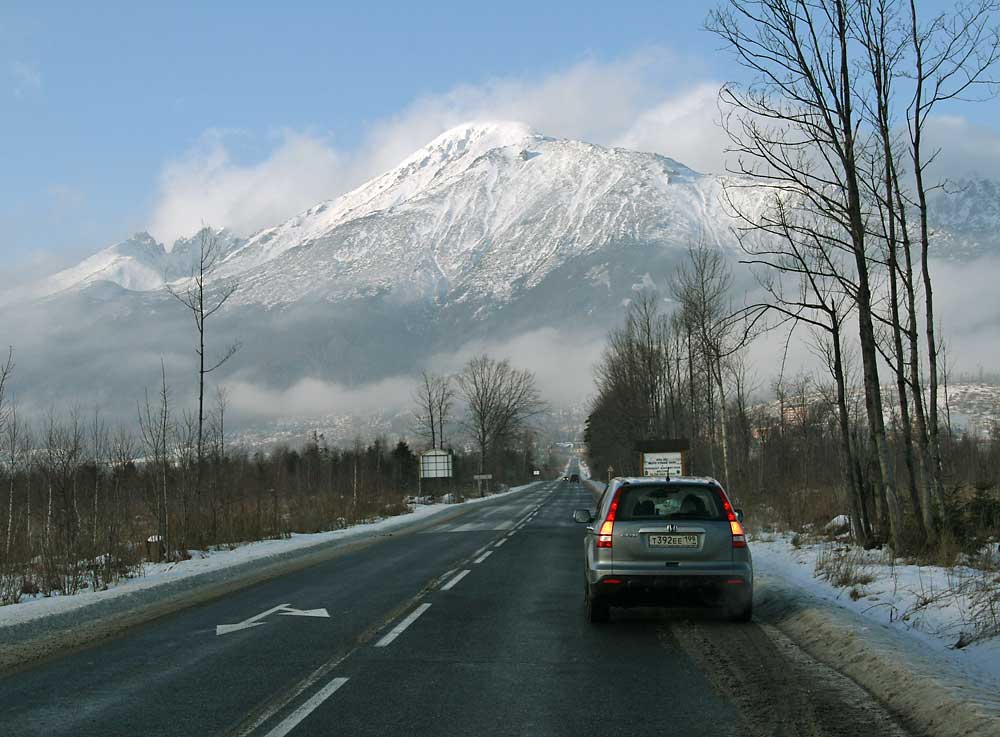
{"type": "Point", "coordinates": [663, 464]}
{"type": "Point", "coordinates": [435, 464]}
{"type": "Point", "coordinates": [483, 477]}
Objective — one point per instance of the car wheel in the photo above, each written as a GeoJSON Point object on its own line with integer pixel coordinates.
{"type": "Point", "coordinates": [598, 610]}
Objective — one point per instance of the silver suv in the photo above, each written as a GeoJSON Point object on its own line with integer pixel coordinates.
{"type": "Point", "coordinates": [658, 541]}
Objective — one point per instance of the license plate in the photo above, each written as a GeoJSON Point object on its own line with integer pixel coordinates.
{"type": "Point", "coordinates": [673, 541]}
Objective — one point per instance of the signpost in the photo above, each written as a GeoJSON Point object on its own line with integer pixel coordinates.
{"type": "Point", "coordinates": [663, 457]}
{"type": "Point", "coordinates": [434, 464]}
{"type": "Point", "coordinates": [663, 464]}
{"type": "Point", "coordinates": [480, 478]}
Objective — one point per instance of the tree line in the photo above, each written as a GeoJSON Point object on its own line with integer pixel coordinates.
{"type": "Point", "coordinates": [828, 139]}
{"type": "Point", "coordinates": [86, 503]}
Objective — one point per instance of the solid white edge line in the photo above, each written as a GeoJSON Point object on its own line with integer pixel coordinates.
{"type": "Point", "coordinates": [483, 557]}
{"type": "Point", "coordinates": [292, 720]}
{"type": "Point", "coordinates": [401, 627]}
{"type": "Point", "coordinates": [451, 584]}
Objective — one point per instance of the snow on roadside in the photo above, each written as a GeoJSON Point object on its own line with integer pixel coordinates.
{"type": "Point", "coordinates": [936, 607]}
{"type": "Point", "coordinates": [158, 574]}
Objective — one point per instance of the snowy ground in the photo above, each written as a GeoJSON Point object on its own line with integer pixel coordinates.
{"type": "Point", "coordinates": [159, 574]}
{"type": "Point", "coordinates": [937, 608]}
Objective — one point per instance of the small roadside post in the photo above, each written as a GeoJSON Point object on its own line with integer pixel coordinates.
{"type": "Point", "coordinates": [480, 478]}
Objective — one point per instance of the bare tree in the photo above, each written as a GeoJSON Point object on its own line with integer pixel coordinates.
{"type": "Point", "coordinates": [500, 401]}
{"type": "Point", "coordinates": [155, 425]}
{"type": "Point", "coordinates": [434, 397]}
{"type": "Point", "coordinates": [702, 287]}
{"type": "Point", "coordinates": [10, 436]}
{"type": "Point", "coordinates": [953, 57]}
{"type": "Point", "coordinates": [795, 130]}
{"type": "Point", "coordinates": [204, 301]}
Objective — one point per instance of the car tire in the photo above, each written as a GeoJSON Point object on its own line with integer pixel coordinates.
{"type": "Point", "coordinates": [598, 611]}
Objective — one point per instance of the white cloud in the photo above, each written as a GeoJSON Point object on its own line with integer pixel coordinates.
{"type": "Point", "coordinates": [966, 149]}
{"type": "Point", "coordinates": [315, 398]}
{"type": "Point", "coordinates": [562, 364]}
{"type": "Point", "coordinates": [207, 186]}
{"type": "Point", "coordinates": [591, 100]}
{"type": "Point", "coordinates": [647, 100]}
{"type": "Point", "coordinates": [652, 101]}
{"type": "Point", "coordinates": [684, 127]}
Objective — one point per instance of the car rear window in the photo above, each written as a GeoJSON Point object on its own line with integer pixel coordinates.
{"type": "Point", "coordinates": [674, 501]}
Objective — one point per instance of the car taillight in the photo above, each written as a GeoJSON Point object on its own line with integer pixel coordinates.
{"type": "Point", "coordinates": [607, 531]}
{"type": "Point", "coordinates": [739, 535]}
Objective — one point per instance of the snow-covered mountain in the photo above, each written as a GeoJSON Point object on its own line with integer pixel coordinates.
{"type": "Point", "coordinates": [966, 218]}
{"type": "Point", "coordinates": [139, 264]}
{"type": "Point", "coordinates": [489, 231]}
{"type": "Point", "coordinates": [480, 213]}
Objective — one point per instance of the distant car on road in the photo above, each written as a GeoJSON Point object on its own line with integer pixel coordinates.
{"type": "Point", "coordinates": [574, 478]}
{"type": "Point", "coordinates": [664, 542]}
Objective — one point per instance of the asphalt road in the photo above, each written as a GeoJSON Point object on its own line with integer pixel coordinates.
{"type": "Point", "coordinates": [473, 626]}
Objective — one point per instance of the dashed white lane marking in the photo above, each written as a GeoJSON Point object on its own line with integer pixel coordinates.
{"type": "Point", "coordinates": [480, 551]}
{"type": "Point", "coordinates": [500, 542]}
{"type": "Point", "coordinates": [292, 720]}
{"type": "Point", "coordinates": [451, 584]}
{"type": "Point", "coordinates": [483, 557]}
{"type": "Point", "coordinates": [401, 627]}
{"type": "Point", "coordinates": [445, 576]}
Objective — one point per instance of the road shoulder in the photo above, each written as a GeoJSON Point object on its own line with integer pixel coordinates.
{"type": "Point", "coordinates": [29, 637]}
{"type": "Point", "coordinates": [933, 695]}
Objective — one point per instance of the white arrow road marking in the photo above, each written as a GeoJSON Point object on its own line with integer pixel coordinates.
{"type": "Point", "coordinates": [254, 621]}
{"type": "Point", "coordinates": [288, 612]}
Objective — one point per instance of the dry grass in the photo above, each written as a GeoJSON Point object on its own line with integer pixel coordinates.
{"type": "Point", "coordinates": [843, 566]}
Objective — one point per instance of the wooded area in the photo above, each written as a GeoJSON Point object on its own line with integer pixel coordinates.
{"type": "Point", "coordinates": [87, 503]}
{"type": "Point", "coordinates": [831, 126]}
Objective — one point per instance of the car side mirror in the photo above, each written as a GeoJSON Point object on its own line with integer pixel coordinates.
{"type": "Point", "coordinates": [583, 516]}
{"type": "Point", "coordinates": [739, 516]}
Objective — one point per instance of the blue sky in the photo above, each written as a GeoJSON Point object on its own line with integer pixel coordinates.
{"type": "Point", "coordinates": [138, 115]}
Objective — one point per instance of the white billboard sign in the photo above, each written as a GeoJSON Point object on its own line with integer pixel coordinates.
{"type": "Point", "coordinates": [435, 464]}
{"type": "Point", "coordinates": [662, 464]}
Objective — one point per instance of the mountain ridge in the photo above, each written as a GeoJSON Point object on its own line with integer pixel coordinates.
{"type": "Point", "coordinates": [489, 232]}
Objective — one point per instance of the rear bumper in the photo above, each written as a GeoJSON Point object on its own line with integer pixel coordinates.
{"type": "Point", "coordinates": [729, 588]}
